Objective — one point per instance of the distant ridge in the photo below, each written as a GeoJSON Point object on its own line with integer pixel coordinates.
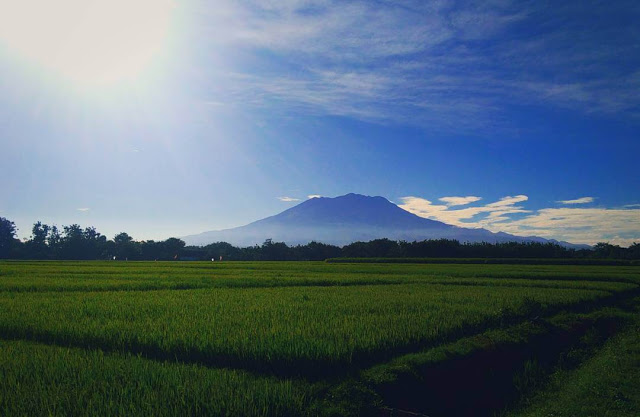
{"type": "Point", "coordinates": [350, 218]}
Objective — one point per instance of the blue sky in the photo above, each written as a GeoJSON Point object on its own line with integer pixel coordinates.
{"type": "Point", "coordinates": [171, 118]}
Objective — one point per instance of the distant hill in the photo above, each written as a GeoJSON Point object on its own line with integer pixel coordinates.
{"type": "Point", "coordinates": [346, 219]}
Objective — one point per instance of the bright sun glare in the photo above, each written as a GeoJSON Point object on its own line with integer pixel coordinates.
{"type": "Point", "coordinates": [87, 41]}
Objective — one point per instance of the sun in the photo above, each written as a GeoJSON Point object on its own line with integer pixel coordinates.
{"type": "Point", "coordinates": [87, 41]}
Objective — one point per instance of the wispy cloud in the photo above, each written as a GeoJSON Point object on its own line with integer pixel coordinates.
{"type": "Point", "coordinates": [449, 66]}
{"type": "Point", "coordinates": [288, 199]}
{"type": "Point", "coordinates": [582, 200]}
{"type": "Point", "coordinates": [310, 196]}
{"type": "Point", "coordinates": [507, 201]}
{"type": "Point", "coordinates": [578, 225]}
{"type": "Point", "coordinates": [83, 209]}
{"type": "Point", "coordinates": [459, 201]}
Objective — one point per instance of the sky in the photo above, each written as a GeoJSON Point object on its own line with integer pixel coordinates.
{"type": "Point", "coordinates": [168, 118]}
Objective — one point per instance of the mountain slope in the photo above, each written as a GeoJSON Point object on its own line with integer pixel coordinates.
{"type": "Point", "coordinates": [345, 219]}
{"type": "Point", "coordinates": [350, 209]}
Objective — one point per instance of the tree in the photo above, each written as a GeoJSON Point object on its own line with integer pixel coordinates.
{"type": "Point", "coordinates": [125, 247]}
{"type": "Point", "coordinates": [95, 244]}
{"type": "Point", "coordinates": [606, 250]}
{"type": "Point", "coordinates": [37, 246]}
{"type": "Point", "coordinates": [274, 251]}
{"type": "Point", "coordinates": [173, 248]}
{"type": "Point", "coordinates": [8, 241]}
{"type": "Point", "coordinates": [316, 251]}
{"type": "Point", "coordinates": [224, 249]}
{"type": "Point", "coordinates": [72, 242]}
{"type": "Point", "coordinates": [54, 242]}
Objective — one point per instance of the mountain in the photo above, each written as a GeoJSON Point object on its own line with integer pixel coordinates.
{"type": "Point", "coordinates": [345, 219]}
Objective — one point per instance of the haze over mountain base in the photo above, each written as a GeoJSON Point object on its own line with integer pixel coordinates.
{"type": "Point", "coordinates": [350, 218]}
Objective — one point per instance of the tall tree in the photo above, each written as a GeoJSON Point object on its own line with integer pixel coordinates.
{"type": "Point", "coordinates": [8, 241]}
{"type": "Point", "coordinates": [54, 242]}
{"type": "Point", "coordinates": [37, 246]}
{"type": "Point", "coordinates": [172, 248]}
{"type": "Point", "coordinates": [125, 247]}
{"type": "Point", "coordinates": [95, 244]}
{"type": "Point", "coordinates": [72, 242]}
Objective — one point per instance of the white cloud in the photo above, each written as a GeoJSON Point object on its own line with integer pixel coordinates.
{"type": "Point", "coordinates": [288, 199]}
{"type": "Point", "coordinates": [83, 209]}
{"type": "Point", "coordinates": [463, 217]}
{"type": "Point", "coordinates": [310, 196]}
{"type": "Point", "coordinates": [582, 225]}
{"type": "Point", "coordinates": [459, 201]}
{"type": "Point", "coordinates": [582, 200]}
{"type": "Point", "coordinates": [577, 225]}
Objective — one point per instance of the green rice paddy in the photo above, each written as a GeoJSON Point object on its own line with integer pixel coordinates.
{"type": "Point", "coordinates": [242, 338]}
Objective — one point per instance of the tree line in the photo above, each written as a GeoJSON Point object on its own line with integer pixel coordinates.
{"type": "Point", "coordinates": [75, 242]}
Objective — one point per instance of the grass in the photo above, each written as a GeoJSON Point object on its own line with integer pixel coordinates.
{"type": "Point", "coordinates": [510, 261]}
{"type": "Point", "coordinates": [309, 329]}
{"type": "Point", "coordinates": [480, 374]}
{"type": "Point", "coordinates": [57, 381]}
{"type": "Point", "coordinates": [605, 385]}
{"type": "Point", "coordinates": [270, 338]}
{"type": "Point", "coordinates": [33, 276]}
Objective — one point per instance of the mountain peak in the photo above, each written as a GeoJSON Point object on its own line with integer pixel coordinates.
{"type": "Point", "coordinates": [354, 196]}
{"type": "Point", "coordinates": [350, 196]}
{"type": "Point", "coordinates": [346, 209]}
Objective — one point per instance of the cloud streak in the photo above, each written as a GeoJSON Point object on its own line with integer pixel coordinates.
{"type": "Point", "coordinates": [582, 200]}
{"type": "Point", "coordinates": [459, 201]}
{"type": "Point", "coordinates": [577, 225]}
{"type": "Point", "coordinates": [452, 67]}
{"type": "Point", "coordinates": [288, 199]}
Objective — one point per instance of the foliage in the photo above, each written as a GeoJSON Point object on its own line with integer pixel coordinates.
{"type": "Point", "coordinates": [8, 241]}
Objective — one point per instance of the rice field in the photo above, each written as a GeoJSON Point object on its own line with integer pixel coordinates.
{"type": "Point", "coordinates": [243, 338]}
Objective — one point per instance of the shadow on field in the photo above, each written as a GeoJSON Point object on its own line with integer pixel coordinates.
{"type": "Point", "coordinates": [489, 381]}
